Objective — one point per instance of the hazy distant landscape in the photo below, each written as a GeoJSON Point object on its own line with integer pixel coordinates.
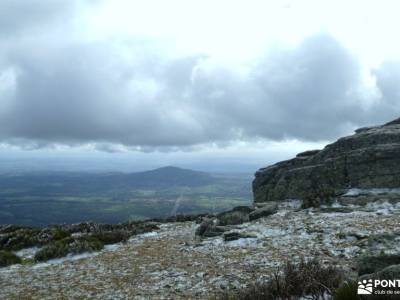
{"type": "Point", "coordinates": [46, 198]}
{"type": "Point", "coordinates": [208, 150]}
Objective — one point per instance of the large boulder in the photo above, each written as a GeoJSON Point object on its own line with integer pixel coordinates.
{"type": "Point", "coordinates": [264, 211]}
{"type": "Point", "coordinates": [237, 215]}
{"type": "Point", "coordinates": [209, 228]}
{"type": "Point", "coordinates": [370, 158]}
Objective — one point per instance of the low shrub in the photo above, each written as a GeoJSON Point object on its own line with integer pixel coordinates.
{"type": "Point", "coordinates": [19, 239]}
{"type": "Point", "coordinates": [294, 281]}
{"type": "Point", "coordinates": [10, 228]}
{"type": "Point", "coordinates": [67, 246]}
{"type": "Point", "coordinates": [8, 258]}
{"type": "Point", "coordinates": [85, 244]}
{"type": "Point", "coordinates": [53, 250]}
{"type": "Point", "coordinates": [59, 234]}
{"type": "Point", "coordinates": [112, 237]}
{"type": "Point", "coordinates": [346, 291]}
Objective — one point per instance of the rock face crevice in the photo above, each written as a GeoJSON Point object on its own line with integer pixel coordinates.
{"type": "Point", "coordinates": [370, 158]}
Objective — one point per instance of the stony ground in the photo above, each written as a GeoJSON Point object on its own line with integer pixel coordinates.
{"type": "Point", "coordinates": [173, 264]}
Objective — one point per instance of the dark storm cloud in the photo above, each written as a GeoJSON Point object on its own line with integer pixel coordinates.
{"type": "Point", "coordinates": [74, 92]}
{"type": "Point", "coordinates": [81, 93]}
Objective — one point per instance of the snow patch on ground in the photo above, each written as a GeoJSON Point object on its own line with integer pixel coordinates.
{"type": "Point", "coordinates": [291, 204]}
{"type": "Point", "coordinates": [70, 257]}
{"type": "Point", "coordinates": [243, 242]}
{"type": "Point", "coordinates": [149, 234]}
{"type": "Point", "coordinates": [27, 252]}
{"type": "Point", "coordinates": [262, 231]}
{"type": "Point", "coordinates": [376, 191]}
{"type": "Point", "coordinates": [74, 257]}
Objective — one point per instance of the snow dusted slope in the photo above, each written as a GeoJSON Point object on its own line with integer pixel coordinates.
{"type": "Point", "coordinates": [172, 264]}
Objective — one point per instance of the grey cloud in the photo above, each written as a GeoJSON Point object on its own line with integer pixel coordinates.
{"type": "Point", "coordinates": [387, 80]}
{"type": "Point", "coordinates": [18, 16]}
{"type": "Point", "coordinates": [73, 93]}
{"type": "Point", "coordinates": [81, 93]}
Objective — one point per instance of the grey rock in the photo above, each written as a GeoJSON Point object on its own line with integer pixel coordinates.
{"type": "Point", "coordinates": [265, 211]}
{"type": "Point", "coordinates": [308, 153]}
{"type": "Point", "coordinates": [232, 236]}
{"type": "Point", "coordinates": [208, 228]}
{"type": "Point", "coordinates": [370, 158]}
{"type": "Point", "coordinates": [336, 210]}
{"type": "Point", "coordinates": [215, 231]}
{"type": "Point", "coordinates": [237, 215]}
{"type": "Point", "coordinates": [203, 227]}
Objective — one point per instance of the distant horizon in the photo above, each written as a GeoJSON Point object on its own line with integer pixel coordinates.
{"type": "Point", "coordinates": [226, 160]}
{"type": "Point", "coordinates": [93, 165]}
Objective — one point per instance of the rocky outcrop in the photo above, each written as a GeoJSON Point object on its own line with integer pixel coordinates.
{"type": "Point", "coordinates": [264, 211]}
{"type": "Point", "coordinates": [237, 215]}
{"type": "Point", "coordinates": [370, 158]}
{"type": "Point", "coordinates": [209, 228]}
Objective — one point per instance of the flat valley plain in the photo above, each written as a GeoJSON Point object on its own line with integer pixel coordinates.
{"type": "Point", "coordinates": [40, 199]}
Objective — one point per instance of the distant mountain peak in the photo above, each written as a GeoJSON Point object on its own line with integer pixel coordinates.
{"type": "Point", "coordinates": [173, 169]}
{"type": "Point", "coordinates": [171, 176]}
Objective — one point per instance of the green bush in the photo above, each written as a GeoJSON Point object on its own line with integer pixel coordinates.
{"type": "Point", "coordinates": [8, 258]}
{"type": "Point", "coordinates": [19, 239]}
{"type": "Point", "coordinates": [10, 228]}
{"type": "Point", "coordinates": [347, 291]}
{"type": "Point", "coordinates": [67, 246]}
{"type": "Point", "coordinates": [53, 250]}
{"type": "Point", "coordinates": [85, 244]}
{"type": "Point", "coordinates": [112, 237]}
{"type": "Point", "coordinates": [59, 234]}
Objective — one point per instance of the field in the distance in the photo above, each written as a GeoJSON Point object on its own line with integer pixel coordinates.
{"type": "Point", "coordinates": [47, 198]}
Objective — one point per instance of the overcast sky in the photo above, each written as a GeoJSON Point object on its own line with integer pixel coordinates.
{"type": "Point", "coordinates": [190, 82]}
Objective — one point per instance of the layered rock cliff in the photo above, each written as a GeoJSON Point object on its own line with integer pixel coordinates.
{"type": "Point", "coordinates": [370, 158]}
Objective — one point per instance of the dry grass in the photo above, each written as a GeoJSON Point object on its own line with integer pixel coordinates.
{"type": "Point", "coordinates": [294, 281]}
